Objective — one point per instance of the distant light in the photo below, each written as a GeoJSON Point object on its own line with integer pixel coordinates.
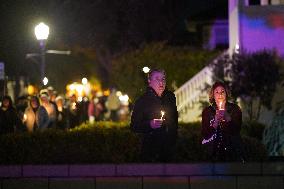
{"type": "Point", "coordinates": [237, 48]}
{"type": "Point", "coordinates": [72, 87]}
{"type": "Point", "coordinates": [45, 81]}
{"type": "Point", "coordinates": [80, 99]}
{"type": "Point", "coordinates": [106, 92]}
{"type": "Point", "coordinates": [31, 90]}
{"type": "Point", "coordinates": [146, 69]}
{"type": "Point", "coordinates": [41, 31]}
{"type": "Point", "coordinates": [118, 93]}
{"type": "Point", "coordinates": [124, 99]}
{"type": "Point", "coordinates": [79, 89]}
{"type": "Point", "coordinates": [84, 81]}
{"type": "Point", "coordinates": [99, 93]}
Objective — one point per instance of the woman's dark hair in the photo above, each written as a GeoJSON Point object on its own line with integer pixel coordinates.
{"type": "Point", "coordinates": [34, 98]}
{"type": "Point", "coordinates": [6, 97]}
{"type": "Point", "coordinates": [214, 86]}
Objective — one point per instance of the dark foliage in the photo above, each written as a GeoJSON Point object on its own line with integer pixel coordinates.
{"type": "Point", "coordinates": [251, 77]}
{"type": "Point", "coordinates": [103, 143]}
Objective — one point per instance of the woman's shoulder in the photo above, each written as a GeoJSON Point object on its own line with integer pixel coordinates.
{"type": "Point", "coordinates": [231, 104]}
{"type": "Point", "coordinates": [208, 109]}
{"type": "Point", "coordinates": [28, 109]}
{"type": "Point", "coordinates": [234, 106]}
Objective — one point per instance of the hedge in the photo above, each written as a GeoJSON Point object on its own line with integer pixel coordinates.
{"type": "Point", "coordinates": [103, 142]}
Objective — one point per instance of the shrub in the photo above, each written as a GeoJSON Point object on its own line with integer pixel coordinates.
{"type": "Point", "coordinates": [253, 129]}
{"type": "Point", "coordinates": [102, 142]}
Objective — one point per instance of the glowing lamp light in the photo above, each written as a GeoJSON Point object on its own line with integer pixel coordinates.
{"type": "Point", "coordinates": [146, 69]}
{"type": "Point", "coordinates": [45, 81]}
{"type": "Point", "coordinates": [124, 98]}
{"type": "Point", "coordinates": [106, 92]}
{"type": "Point", "coordinates": [237, 48]}
{"type": "Point", "coordinates": [84, 81]}
{"type": "Point", "coordinates": [118, 93]}
{"type": "Point", "coordinates": [31, 90]}
{"type": "Point", "coordinates": [79, 89]}
{"type": "Point", "coordinates": [41, 31]}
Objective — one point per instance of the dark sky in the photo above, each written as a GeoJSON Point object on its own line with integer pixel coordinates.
{"type": "Point", "coordinates": [107, 25]}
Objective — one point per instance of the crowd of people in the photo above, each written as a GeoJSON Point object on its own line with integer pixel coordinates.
{"type": "Point", "coordinates": [49, 110]}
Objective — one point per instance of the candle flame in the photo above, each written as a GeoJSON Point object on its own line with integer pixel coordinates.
{"type": "Point", "coordinates": [220, 106]}
{"type": "Point", "coordinates": [162, 114]}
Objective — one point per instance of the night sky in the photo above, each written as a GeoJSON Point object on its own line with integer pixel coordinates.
{"type": "Point", "coordinates": [107, 27]}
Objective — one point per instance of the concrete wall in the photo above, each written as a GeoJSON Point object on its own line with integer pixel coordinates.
{"type": "Point", "coordinates": [144, 176]}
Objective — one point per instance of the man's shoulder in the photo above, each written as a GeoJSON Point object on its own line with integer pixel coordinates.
{"type": "Point", "coordinates": [170, 94]}
{"type": "Point", "coordinates": [141, 98]}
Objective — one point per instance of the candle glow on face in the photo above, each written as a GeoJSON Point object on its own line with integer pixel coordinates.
{"type": "Point", "coordinates": [162, 114]}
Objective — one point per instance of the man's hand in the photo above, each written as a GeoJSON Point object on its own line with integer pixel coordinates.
{"type": "Point", "coordinates": [156, 123]}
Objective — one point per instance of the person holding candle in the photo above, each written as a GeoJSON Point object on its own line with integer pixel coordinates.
{"type": "Point", "coordinates": [221, 125]}
{"type": "Point", "coordinates": [155, 116]}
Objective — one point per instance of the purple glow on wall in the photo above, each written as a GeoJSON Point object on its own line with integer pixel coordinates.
{"type": "Point", "coordinates": [219, 34]}
{"type": "Point", "coordinates": [264, 30]}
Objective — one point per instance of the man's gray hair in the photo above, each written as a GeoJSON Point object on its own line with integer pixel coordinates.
{"type": "Point", "coordinates": [152, 71]}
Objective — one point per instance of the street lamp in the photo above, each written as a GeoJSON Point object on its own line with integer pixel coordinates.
{"type": "Point", "coordinates": [146, 69]}
{"type": "Point", "coordinates": [41, 33]}
{"type": "Point", "coordinates": [45, 81]}
{"type": "Point", "coordinates": [84, 81]}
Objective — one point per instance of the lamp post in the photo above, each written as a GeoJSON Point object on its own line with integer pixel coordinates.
{"type": "Point", "coordinates": [41, 33]}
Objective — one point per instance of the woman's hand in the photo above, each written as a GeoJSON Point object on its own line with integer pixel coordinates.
{"type": "Point", "coordinates": [219, 116]}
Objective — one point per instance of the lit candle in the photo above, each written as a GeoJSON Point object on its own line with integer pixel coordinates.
{"type": "Point", "coordinates": [73, 105]}
{"type": "Point", "coordinates": [220, 106]}
{"type": "Point", "coordinates": [162, 114]}
{"type": "Point", "coordinates": [25, 117]}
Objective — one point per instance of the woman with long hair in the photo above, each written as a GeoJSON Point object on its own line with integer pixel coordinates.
{"type": "Point", "coordinates": [221, 125]}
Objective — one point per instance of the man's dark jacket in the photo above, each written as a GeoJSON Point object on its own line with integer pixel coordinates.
{"type": "Point", "coordinates": [159, 141]}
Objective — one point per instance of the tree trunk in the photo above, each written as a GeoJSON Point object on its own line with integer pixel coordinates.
{"type": "Point", "coordinates": [250, 112]}
{"type": "Point", "coordinates": [104, 58]}
{"type": "Point", "coordinates": [258, 109]}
